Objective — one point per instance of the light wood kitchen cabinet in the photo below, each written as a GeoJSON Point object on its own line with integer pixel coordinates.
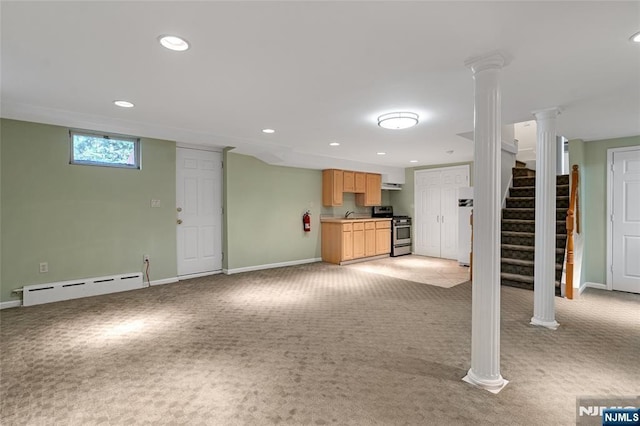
{"type": "Point", "coordinates": [349, 184]}
{"type": "Point", "coordinates": [332, 187]}
{"type": "Point", "coordinates": [373, 191]}
{"type": "Point", "coordinates": [383, 237]}
{"type": "Point", "coordinates": [349, 240]}
{"type": "Point", "coordinates": [358, 240]}
{"type": "Point", "coordinates": [369, 238]}
{"type": "Point", "coordinates": [360, 182]}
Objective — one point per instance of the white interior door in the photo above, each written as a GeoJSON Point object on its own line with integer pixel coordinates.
{"type": "Point", "coordinates": [199, 211]}
{"type": "Point", "coordinates": [625, 223]}
{"type": "Point", "coordinates": [427, 214]}
{"type": "Point", "coordinates": [449, 223]}
{"type": "Point", "coordinates": [436, 211]}
{"type": "Point", "coordinates": [452, 179]}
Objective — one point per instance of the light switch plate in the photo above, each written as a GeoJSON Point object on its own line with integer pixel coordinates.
{"type": "Point", "coordinates": [155, 203]}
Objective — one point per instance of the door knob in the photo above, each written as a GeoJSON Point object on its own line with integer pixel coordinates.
{"type": "Point", "coordinates": [179, 221]}
{"type": "Point", "coordinates": [179, 209]}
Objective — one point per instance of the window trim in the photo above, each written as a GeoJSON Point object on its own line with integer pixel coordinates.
{"type": "Point", "coordinates": [104, 135]}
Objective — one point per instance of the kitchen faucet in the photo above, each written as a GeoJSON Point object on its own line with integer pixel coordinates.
{"type": "Point", "coordinates": [346, 215]}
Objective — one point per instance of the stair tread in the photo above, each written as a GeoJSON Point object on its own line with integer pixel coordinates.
{"type": "Point", "coordinates": [521, 278]}
{"type": "Point", "coordinates": [525, 248]}
{"type": "Point", "coordinates": [523, 262]}
{"type": "Point", "coordinates": [533, 198]}
{"type": "Point", "coordinates": [517, 277]}
{"type": "Point", "coordinates": [526, 221]}
{"type": "Point", "coordinates": [531, 208]}
{"type": "Point", "coordinates": [518, 234]}
{"type": "Point", "coordinates": [527, 234]}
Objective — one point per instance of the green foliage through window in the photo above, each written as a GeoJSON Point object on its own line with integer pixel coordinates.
{"type": "Point", "coordinates": [105, 150]}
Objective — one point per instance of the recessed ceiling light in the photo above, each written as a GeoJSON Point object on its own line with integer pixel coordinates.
{"type": "Point", "coordinates": [398, 120]}
{"type": "Point", "coordinates": [334, 144]}
{"type": "Point", "coordinates": [124, 104]}
{"type": "Point", "coordinates": [268, 131]}
{"type": "Point", "coordinates": [172, 42]}
{"type": "Point", "coordinates": [382, 153]}
{"type": "Point", "coordinates": [413, 161]}
{"type": "Point", "coordinates": [635, 37]}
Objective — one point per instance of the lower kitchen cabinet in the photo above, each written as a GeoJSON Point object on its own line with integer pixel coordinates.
{"type": "Point", "coordinates": [370, 239]}
{"type": "Point", "coordinates": [383, 237]}
{"type": "Point", "coordinates": [347, 240]}
{"type": "Point", "coordinates": [358, 240]}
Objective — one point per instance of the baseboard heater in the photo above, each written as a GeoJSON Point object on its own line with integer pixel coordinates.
{"type": "Point", "coordinates": [54, 292]}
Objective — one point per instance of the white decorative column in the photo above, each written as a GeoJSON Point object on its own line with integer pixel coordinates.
{"type": "Point", "coordinates": [485, 320]}
{"type": "Point", "coordinates": [544, 283]}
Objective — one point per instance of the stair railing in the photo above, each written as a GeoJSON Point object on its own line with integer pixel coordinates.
{"type": "Point", "coordinates": [573, 219]}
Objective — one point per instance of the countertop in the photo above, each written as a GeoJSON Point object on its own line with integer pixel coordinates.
{"type": "Point", "coordinates": [355, 219]}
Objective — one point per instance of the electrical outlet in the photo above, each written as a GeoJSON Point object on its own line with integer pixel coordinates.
{"type": "Point", "coordinates": [44, 267]}
{"type": "Point", "coordinates": [145, 258]}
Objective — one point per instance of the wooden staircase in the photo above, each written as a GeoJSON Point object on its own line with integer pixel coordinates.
{"type": "Point", "coordinates": [518, 229]}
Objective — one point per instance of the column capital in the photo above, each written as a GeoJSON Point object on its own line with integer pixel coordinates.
{"type": "Point", "coordinates": [493, 60]}
{"type": "Point", "coordinates": [546, 113]}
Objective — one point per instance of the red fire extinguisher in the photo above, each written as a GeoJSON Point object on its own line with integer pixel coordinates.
{"type": "Point", "coordinates": [306, 221]}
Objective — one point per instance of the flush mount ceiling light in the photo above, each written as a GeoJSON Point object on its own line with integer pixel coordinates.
{"type": "Point", "coordinates": [635, 37]}
{"type": "Point", "coordinates": [172, 42]}
{"type": "Point", "coordinates": [413, 161]}
{"type": "Point", "coordinates": [382, 153]}
{"type": "Point", "coordinates": [124, 104]}
{"type": "Point", "coordinates": [268, 131]}
{"type": "Point", "coordinates": [334, 144]}
{"type": "Point", "coordinates": [398, 120]}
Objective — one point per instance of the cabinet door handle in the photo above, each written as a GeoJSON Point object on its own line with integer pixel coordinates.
{"type": "Point", "coordinates": [438, 218]}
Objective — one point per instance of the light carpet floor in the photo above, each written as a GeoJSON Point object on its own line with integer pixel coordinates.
{"type": "Point", "coordinates": [314, 344]}
{"type": "Point", "coordinates": [420, 269]}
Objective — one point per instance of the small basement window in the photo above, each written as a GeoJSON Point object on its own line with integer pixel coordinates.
{"type": "Point", "coordinates": [96, 149]}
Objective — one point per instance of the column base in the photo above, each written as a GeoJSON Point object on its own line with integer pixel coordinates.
{"type": "Point", "coordinates": [493, 386]}
{"type": "Point", "coordinates": [552, 325]}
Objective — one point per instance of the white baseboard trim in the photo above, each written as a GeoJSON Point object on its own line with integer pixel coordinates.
{"type": "Point", "coordinates": [165, 281]}
{"type": "Point", "coordinates": [202, 274]}
{"type": "Point", "coordinates": [270, 266]}
{"type": "Point", "coordinates": [10, 304]}
{"type": "Point", "coordinates": [599, 286]}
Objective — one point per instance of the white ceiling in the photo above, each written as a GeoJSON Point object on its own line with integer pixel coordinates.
{"type": "Point", "coordinates": [318, 72]}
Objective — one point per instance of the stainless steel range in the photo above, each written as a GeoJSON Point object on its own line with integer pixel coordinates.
{"type": "Point", "coordinates": [400, 230]}
{"type": "Point", "coordinates": [400, 235]}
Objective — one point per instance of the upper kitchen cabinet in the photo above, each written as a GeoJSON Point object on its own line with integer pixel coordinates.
{"type": "Point", "coordinates": [332, 187]}
{"type": "Point", "coordinates": [373, 191]}
{"type": "Point", "coordinates": [354, 182]}
{"type": "Point", "coordinates": [360, 182]}
{"type": "Point", "coordinates": [349, 181]}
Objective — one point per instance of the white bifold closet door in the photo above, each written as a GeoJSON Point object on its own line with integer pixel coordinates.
{"type": "Point", "coordinates": [436, 211]}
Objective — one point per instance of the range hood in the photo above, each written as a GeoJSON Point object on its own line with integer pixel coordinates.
{"type": "Point", "coordinates": [391, 186]}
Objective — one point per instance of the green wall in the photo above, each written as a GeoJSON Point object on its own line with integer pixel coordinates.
{"type": "Point", "coordinates": [263, 212]}
{"type": "Point", "coordinates": [594, 194]}
{"type": "Point", "coordinates": [403, 201]}
{"type": "Point", "coordinates": [84, 221]}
